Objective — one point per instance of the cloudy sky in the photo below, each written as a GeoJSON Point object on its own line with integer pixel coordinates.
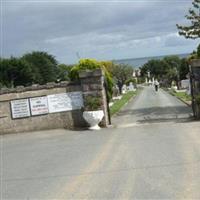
{"type": "Point", "coordinates": [104, 30]}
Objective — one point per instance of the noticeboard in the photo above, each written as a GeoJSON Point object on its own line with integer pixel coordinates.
{"type": "Point", "coordinates": [20, 108]}
{"type": "Point", "coordinates": [76, 100]}
{"type": "Point", "coordinates": [65, 102]}
{"type": "Point", "coordinates": [39, 105]}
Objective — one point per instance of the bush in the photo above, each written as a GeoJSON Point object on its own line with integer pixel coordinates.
{"type": "Point", "coordinates": [83, 64]}
{"type": "Point", "coordinates": [91, 64]}
{"type": "Point", "coordinates": [92, 103]}
{"type": "Point", "coordinates": [132, 80]}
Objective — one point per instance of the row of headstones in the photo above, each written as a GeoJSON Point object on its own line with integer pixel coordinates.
{"type": "Point", "coordinates": [128, 88]}
{"type": "Point", "coordinates": [125, 89]}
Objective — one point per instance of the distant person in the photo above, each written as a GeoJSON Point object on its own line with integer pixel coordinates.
{"type": "Point", "coordinates": [156, 84]}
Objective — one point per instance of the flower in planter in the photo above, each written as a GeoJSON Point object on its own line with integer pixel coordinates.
{"type": "Point", "coordinates": [93, 112]}
{"type": "Point", "coordinates": [92, 103]}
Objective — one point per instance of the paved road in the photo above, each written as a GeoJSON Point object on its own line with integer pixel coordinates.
{"type": "Point", "coordinates": [152, 152]}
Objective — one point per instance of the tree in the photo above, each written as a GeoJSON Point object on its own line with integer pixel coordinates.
{"type": "Point", "coordinates": [3, 73]}
{"type": "Point", "coordinates": [173, 69]}
{"type": "Point", "coordinates": [15, 72]}
{"type": "Point", "coordinates": [43, 66]}
{"type": "Point", "coordinates": [170, 68]}
{"type": "Point", "coordinates": [157, 68]}
{"type": "Point", "coordinates": [63, 72]}
{"type": "Point", "coordinates": [195, 54]}
{"type": "Point", "coordinates": [121, 73]}
{"type": "Point", "coordinates": [192, 31]}
{"type": "Point", "coordinates": [184, 69]}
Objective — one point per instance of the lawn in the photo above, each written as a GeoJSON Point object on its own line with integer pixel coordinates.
{"type": "Point", "coordinates": [118, 104]}
{"type": "Point", "coordinates": [181, 95]}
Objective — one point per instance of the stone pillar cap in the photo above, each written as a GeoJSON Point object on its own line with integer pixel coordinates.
{"type": "Point", "coordinates": [90, 73]}
{"type": "Point", "coordinates": [195, 63]}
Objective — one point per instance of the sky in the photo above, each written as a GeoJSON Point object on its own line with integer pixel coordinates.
{"type": "Point", "coordinates": [104, 30]}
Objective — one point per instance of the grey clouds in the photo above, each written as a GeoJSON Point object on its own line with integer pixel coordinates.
{"type": "Point", "coordinates": [103, 30]}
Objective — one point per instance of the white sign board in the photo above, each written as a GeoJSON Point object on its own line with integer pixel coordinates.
{"type": "Point", "coordinates": [76, 100]}
{"type": "Point", "coordinates": [20, 108]}
{"type": "Point", "coordinates": [65, 102]}
{"type": "Point", "coordinates": [39, 105]}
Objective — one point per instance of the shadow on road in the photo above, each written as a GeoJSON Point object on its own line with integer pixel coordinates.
{"type": "Point", "coordinates": [169, 110]}
{"type": "Point", "coordinates": [161, 120]}
{"type": "Point", "coordinates": [158, 114]}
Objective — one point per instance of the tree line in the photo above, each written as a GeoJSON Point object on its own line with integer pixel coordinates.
{"type": "Point", "coordinates": [40, 67]}
{"type": "Point", "coordinates": [166, 70]}
{"type": "Point", "coordinates": [170, 68]}
{"type": "Point", "coordinates": [31, 68]}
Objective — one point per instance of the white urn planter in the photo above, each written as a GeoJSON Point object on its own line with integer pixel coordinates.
{"type": "Point", "coordinates": [93, 118]}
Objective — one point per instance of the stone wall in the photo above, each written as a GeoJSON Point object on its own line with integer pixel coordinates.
{"type": "Point", "coordinates": [68, 119]}
{"type": "Point", "coordinates": [90, 83]}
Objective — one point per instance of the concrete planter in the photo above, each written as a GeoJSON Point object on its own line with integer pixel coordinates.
{"type": "Point", "coordinates": [93, 118]}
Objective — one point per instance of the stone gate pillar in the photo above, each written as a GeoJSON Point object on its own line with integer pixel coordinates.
{"type": "Point", "coordinates": [92, 83]}
{"type": "Point", "coordinates": [195, 87]}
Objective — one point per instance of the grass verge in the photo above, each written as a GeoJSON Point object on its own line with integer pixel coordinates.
{"type": "Point", "coordinates": [183, 96]}
{"type": "Point", "coordinates": [118, 104]}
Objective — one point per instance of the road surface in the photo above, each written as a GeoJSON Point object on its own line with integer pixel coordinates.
{"type": "Point", "coordinates": [152, 152]}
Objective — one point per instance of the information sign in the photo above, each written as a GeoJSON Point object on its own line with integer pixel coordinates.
{"type": "Point", "coordinates": [39, 105]}
{"type": "Point", "coordinates": [20, 108]}
{"type": "Point", "coordinates": [65, 101]}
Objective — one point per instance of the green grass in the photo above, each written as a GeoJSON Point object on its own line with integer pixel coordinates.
{"type": "Point", "coordinates": [181, 95]}
{"type": "Point", "coordinates": [118, 104]}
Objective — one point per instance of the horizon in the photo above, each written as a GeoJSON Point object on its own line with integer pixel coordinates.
{"type": "Point", "coordinates": [139, 62]}
{"type": "Point", "coordinates": [113, 60]}
{"type": "Point", "coordinates": [154, 56]}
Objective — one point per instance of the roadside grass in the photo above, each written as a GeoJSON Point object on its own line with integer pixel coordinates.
{"type": "Point", "coordinates": [118, 104]}
{"type": "Point", "coordinates": [181, 95]}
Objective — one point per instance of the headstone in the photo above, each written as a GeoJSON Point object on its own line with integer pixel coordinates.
{"type": "Point", "coordinates": [131, 87]}
{"type": "Point", "coordinates": [124, 89]}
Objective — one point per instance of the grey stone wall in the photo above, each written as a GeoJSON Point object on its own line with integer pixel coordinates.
{"type": "Point", "coordinates": [91, 83]}
{"type": "Point", "coordinates": [69, 119]}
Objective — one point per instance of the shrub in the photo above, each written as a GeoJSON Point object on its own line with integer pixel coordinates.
{"type": "Point", "coordinates": [91, 64]}
{"type": "Point", "coordinates": [131, 80]}
{"type": "Point", "coordinates": [92, 103]}
{"type": "Point", "coordinates": [83, 64]}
